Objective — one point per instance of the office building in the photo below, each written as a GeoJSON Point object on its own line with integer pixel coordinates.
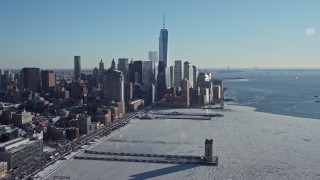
{"type": "Point", "coordinates": [148, 72]}
{"type": "Point", "coordinates": [77, 68]}
{"type": "Point", "coordinates": [128, 92]}
{"type": "Point", "coordinates": [113, 84]}
{"type": "Point", "coordinates": [220, 83]}
{"type": "Point", "coordinates": [85, 125]}
{"type": "Point", "coordinates": [216, 92]}
{"type": "Point", "coordinates": [195, 75]}
{"type": "Point", "coordinates": [163, 53]}
{"type": "Point", "coordinates": [203, 78]}
{"type": "Point", "coordinates": [48, 79]}
{"type": "Point", "coordinates": [148, 93]}
{"type": "Point", "coordinates": [177, 73]}
{"type": "Point", "coordinates": [101, 71]}
{"type": "Point", "coordinates": [161, 81]}
{"type": "Point", "coordinates": [123, 65]}
{"type": "Point", "coordinates": [188, 72]}
{"type": "Point", "coordinates": [135, 72]}
{"type": "Point", "coordinates": [185, 85]}
{"type": "Point", "coordinates": [154, 57]}
{"type": "Point", "coordinates": [30, 79]}
{"type": "Point", "coordinates": [171, 76]}
{"type": "Point", "coordinates": [96, 76]}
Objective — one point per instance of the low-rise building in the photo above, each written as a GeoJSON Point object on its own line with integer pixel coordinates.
{"type": "Point", "coordinates": [72, 133]}
{"type": "Point", "coordinates": [134, 105]}
{"type": "Point", "coordinates": [19, 150]}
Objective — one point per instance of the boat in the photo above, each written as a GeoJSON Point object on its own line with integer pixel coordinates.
{"type": "Point", "coordinates": [316, 96]}
{"type": "Point", "coordinates": [317, 101]}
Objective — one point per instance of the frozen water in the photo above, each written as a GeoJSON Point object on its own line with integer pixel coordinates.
{"type": "Point", "coordinates": [250, 145]}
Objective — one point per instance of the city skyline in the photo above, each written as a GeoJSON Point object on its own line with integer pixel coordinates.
{"type": "Point", "coordinates": [267, 34]}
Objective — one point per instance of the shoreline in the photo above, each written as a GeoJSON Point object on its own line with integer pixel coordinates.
{"type": "Point", "coordinates": [249, 145]}
{"type": "Point", "coordinates": [256, 110]}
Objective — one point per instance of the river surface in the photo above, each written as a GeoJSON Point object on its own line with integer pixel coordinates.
{"type": "Point", "coordinates": [284, 92]}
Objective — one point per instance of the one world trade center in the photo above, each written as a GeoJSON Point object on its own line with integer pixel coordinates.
{"type": "Point", "coordinates": [163, 75]}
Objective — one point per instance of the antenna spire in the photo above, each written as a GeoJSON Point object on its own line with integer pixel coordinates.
{"type": "Point", "coordinates": [164, 21]}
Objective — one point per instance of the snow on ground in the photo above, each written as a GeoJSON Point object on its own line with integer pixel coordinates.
{"type": "Point", "coordinates": [48, 149]}
{"type": "Point", "coordinates": [250, 145]}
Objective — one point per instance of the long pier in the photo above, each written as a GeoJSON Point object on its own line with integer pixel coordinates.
{"type": "Point", "coordinates": [143, 155]}
{"type": "Point", "coordinates": [148, 158]}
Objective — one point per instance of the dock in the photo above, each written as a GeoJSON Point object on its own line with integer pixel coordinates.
{"type": "Point", "coordinates": [148, 158]}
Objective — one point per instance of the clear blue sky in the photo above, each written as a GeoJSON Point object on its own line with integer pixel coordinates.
{"type": "Point", "coordinates": [239, 33]}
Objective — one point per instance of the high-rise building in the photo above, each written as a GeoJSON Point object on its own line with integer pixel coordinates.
{"type": "Point", "coordinates": [101, 71]}
{"type": "Point", "coordinates": [1, 79]}
{"type": "Point", "coordinates": [171, 76]}
{"type": "Point", "coordinates": [135, 72]}
{"type": "Point", "coordinates": [195, 75]}
{"type": "Point", "coordinates": [113, 84]}
{"type": "Point", "coordinates": [163, 75]}
{"type": "Point", "coordinates": [123, 65]}
{"type": "Point", "coordinates": [188, 72]}
{"type": "Point", "coordinates": [185, 85]}
{"type": "Point", "coordinates": [147, 72]}
{"type": "Point", "coordinates": [30, 79]}
{"type": "Point", "coordinates": [161, 81]}
{"type": "Point", "coordinates": [128, 91]}
{"type": "Point", "coordinates": [163, 52]}
{"type": "Point", "coordinates": [202, 78]}
{"type": "Point", "coordinates": [163, 45]}
{"type": "Point", "coordinates": [153, 56]}
{"type": "Point", "coordinates": [48, 79]}
{"type": "Point", "coordinates": [77, 68]}
{"type": "Point", "coordinates": [96, 76]}
{"type": "Point", "coordinates": [177, 73]}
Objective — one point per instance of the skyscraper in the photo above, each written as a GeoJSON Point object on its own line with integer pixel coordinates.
{"type": "Point", "coordinates": [113, 84]}
{"type": "Point", "coordinates": [153, 56]}
{"type": "Point", "coordinates": [185, 85]}
{"type": "Point", "coordinates": [96, 76]}
{"type": "Point", "coordinates": [30, 79]}
{"type": "Point", "coordinates": [161, 81]}
{"type": "Point", "coordinates": [163, 75]}
{"type": "Point", "coordinates": [188, 72]}
{"type": "Point", "coordinates": [135, 72]}
{"type": "Point", "coordinates": [163, 45]}
{"type": "Point", "coordinates": [195, 75]}
{"type": "Point", "coordinates": [177, 73]}
{"type": "Point", "coordinates": [77, 67]}
{"type": "Point", "coordinates": [171, 76]}
{"type": "Point", "coordinates": [101, 71]}
{"type": "Point", "coordinates": [123, 65]}
{"type": "Point", "coordinates": [148, 72]}
{"type": "Point", "coordinates": [1, 78]}
{"type": "Point", "coordinates": [48, 79]}
{"type": "Point", "coordinates": [163, 52]}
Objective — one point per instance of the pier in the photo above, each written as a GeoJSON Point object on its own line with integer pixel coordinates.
{"type": "Point", "coordinates": [178, 115]}
{"type": "Point", "coordinates": [207, 159]}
